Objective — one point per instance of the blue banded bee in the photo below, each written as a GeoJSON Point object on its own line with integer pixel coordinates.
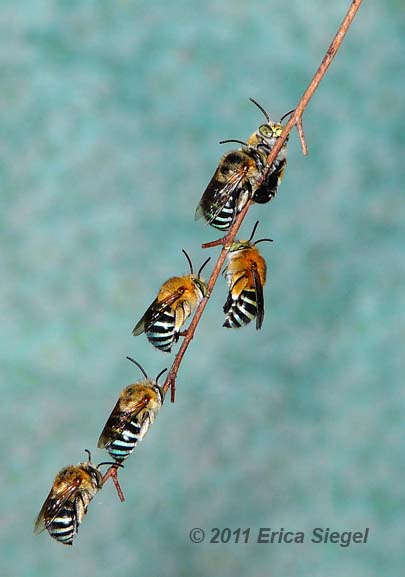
{"type": "Point", "coordinates": [133, 414]}
{"type": "Point", "coordinates": [177, 299]}
{"type": "Point", "coordinates": [65, 506]}
{"type": "Point", "coordinates": [239, 175]}
{"type": "Point", "coordinates": [246, 276]}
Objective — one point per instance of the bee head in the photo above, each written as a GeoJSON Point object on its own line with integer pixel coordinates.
{"type": "Point", "coordinates": [92, 470]}
{"type": "Point", "coordinates": [154, 383]}
{"type": "Point", "coordinates": [269, 131]}
{"type": "Point", "coordinates": [245, 244]}
{"type": "Point", "coordinates": [200, 284]}
{"type": "Point", "coordinates": [239, 245]}
{"type": "Point", "coordinates": [196, 278]}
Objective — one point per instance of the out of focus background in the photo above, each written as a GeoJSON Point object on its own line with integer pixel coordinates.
{"type": "Point", "coordinates": [110, 118]}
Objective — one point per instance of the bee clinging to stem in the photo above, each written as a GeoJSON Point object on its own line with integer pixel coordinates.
{"type": "Point", "coordinates": [65, 506]}
{"type": "Point", "coordinates": [245, 273]}
{"type": "Point", "coordinates": [176, 300]}
{"type": "Point", "coordinates": [244, 174]}
{"type": "Point", "coordinates": [133, 414]}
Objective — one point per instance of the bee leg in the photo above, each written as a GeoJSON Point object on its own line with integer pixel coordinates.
{"type": "Point", "coordinates": [181, 334]}
{"type": "Point", "coordinates": [112, 472]}
{"type": "Point", "coordinates": [84, 504]}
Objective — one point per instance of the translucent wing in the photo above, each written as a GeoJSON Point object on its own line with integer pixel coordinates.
{"type": "Point", "coordinates": [155, 311]}
{"type": "Point", "coordinates": [140, 325]}
{"type": "Point", "coordinates": [118, 421]}
{"type": "Point", "coordinates": [229, 180]}
{"type": "Point", "coordinates": [53, 504]}
{"type": "Point", "coordinates": [259, 298]}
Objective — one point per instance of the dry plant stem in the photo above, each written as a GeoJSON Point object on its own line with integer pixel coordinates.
{"type": "Point", "coordinates": [295, 120]}
{"type": "Point", "coordinates": [113, 473]}
{"type": "Point", "coordinates": [296, 117]}
{"type": "Point", "coordinates": [227, 241]}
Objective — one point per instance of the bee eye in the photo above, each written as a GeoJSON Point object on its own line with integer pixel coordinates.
{"type": "Point", "coordinates": [266, 130]}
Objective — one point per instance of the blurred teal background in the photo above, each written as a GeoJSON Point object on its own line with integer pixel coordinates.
{"type": "Point", "coordinates": [110, 118]}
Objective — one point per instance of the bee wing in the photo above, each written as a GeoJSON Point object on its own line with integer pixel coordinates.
{"type": "Point", "coordinates": [121, 420]}
{"type": "Point", "coordinates": [259, 298]}
{"type": "Point", "coordinates": [155, 311]}
{"type": "Point", "coordinates": [140, 325]}
{"type": "Point", "coordinates": [53, 504]}
{"type": "Point", "coordinates": [218, 192]}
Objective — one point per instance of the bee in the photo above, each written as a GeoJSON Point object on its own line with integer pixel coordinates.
{"type": "Point", "coordinates": [65, 506]}
{"type": "Point", "coordinates": [239, 175]}
{"type": "Point", "coordinates": [177, 299]}
{"type": "Point", "coordinates": [133, 414]}
{"type": "Point", "coordinates": [245, 273]}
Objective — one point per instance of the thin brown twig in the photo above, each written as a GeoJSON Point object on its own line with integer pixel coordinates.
{"type": "Point", "coordinates": [296, 117]}
{"type": "Point", "coordinates": [300, 130]}
{"type": "Point", "coordinates": [295, 120]}
{"type": "Point", "coordinates": [226, 241]}
{"type": "Point", "coordinates": [112, 473]}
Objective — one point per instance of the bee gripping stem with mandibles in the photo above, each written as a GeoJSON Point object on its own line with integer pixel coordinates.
{"type": "Point", "coordinates": [243, 175]}
{"type": "Point", "coordinates": [66, 505]}
{"type": "Point", "coordinates": [177, 299]}
{"type": "Point", "coordinates": [130, 420]}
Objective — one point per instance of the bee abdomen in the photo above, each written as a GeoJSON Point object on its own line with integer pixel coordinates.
{"type": "Point", "coordinates": [123, 445]}
{"type": "Point", "coordinates": [161, 334]}
{"type": "Point", "coordinates": [241, 311]}
{"type": "Point", "coordinates": [64, 527]}
{"type": "Point", "coordinates": [225, 217]}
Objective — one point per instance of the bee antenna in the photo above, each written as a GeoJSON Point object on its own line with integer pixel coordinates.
{"type": "Point", "coordinates": [262, 109]}
{"type": "Point", "coordinates": [286, 114]}
{"type": "Point", "coordinates": [88, 452]}
{"type": "Point", "coordinates": [115, 464]}
{"type": "Point", "coordinates": [264, 240]}
{"type": "Point", "coordinates": [203, 265]}
{"type": "Point", "coordinates": [233, 140]}
{"type": "Point", "coordinates": [189, 260]}
{"type": "Point", "coordinates": [160, 374]}
{"type": "Point", "coordinates": [139, 367]}
{"type": "Point", "coordinates": [254, 230]}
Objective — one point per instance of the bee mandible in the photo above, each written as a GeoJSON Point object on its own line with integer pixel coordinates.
{"type": "Point", "coordinates": [177, 299]}
{"type": "Point", "coordinates": [133, 414]}
{"type": "Point", "coordinates": [65, 506]}
{"type": "Point", "coordinates": [245, 273]}
{"type": "Point", "coordinates": [239, 175]}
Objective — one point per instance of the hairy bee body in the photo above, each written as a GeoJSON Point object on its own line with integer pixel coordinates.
{"type": "Point", "coordinates": [230, 188]}
{"type": "Point", "coordinates": [239, 175]}
{"type": "Point", "coordinates": [246, 275]}
{"type": "Point", "coordinates": [268, 189]}
{"type": "Point", "coordinates": [133, 414]}
{"type": "Point", "coordinates": [164, 319]}
{"type": "Point", "coordinates": [64, 508]}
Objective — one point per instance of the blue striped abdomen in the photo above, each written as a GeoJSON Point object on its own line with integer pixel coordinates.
{"type": "Point", "coordinates": [224, 219]}
{"type": "Point", "coordinates": [162, 333]}
{"type": "Point", "coordinates": [64, 526]}
{"type": "Point", "coordinates": [124, 443]}
{"type": "Point", "coordinates": [241, 311]}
